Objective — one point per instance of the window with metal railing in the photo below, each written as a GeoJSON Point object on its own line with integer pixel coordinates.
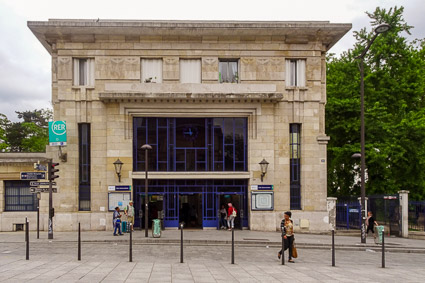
{"type": "Point", "coordinates": [18, 197]}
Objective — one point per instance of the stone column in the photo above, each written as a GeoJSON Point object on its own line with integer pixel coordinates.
{"type": "Point", "coordinates": [404, 212]}
{"type": "Point", "coordinates": [331, 212]}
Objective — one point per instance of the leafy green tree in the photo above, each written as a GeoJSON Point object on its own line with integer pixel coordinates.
{"type": "Point", "coordinates": [31, 135]}
{"type": "Point", "coordinates": [394, 112]}
{"type": "Point", "coordinates": [3, 124]}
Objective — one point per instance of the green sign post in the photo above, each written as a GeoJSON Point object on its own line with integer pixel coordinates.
{"type": "Point", "coordinates": [57, 133]}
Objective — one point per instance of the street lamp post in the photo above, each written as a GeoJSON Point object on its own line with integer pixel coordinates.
{"type": "Point", "coordinates": [146, 148]}
{"type": "Point", "coordinates": [379, 29]}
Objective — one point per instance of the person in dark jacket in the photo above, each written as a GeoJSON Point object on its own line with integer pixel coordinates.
{"type": "Point", "coordinates": [287, 228]}
{"type": "Point", "coordinates": [370, 223]}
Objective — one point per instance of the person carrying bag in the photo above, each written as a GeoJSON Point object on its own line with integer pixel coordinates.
{"type": "Point", "coordinates": [287, 227]}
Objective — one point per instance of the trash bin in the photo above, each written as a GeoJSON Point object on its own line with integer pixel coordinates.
{"type": "Point", "coordinates": [156, 228]}
{"type": "Point", "coordinates": [379, 230]}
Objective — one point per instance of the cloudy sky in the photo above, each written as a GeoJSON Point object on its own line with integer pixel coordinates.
{"type": "Point", "coordinates": [25, 64]}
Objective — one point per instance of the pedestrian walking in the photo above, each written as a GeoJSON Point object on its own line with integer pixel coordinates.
{"type": "Point", "coordinates": [287, 228]}
{"type": "Point", "coordinates": [116, 220]}
{"type": "Point", "coordinates": [370, 223]}
{"type": "Point", "coordinates": [231, 215]}
{"type": "Point", "coordinates": [223, 217]}
{"type": "Point", "coordinates": [130, 214]}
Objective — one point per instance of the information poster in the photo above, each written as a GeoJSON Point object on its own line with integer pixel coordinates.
{"type": "Point", "coordinates": [120, 199]}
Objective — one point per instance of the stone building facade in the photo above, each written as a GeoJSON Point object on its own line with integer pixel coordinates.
{"type": "Point", "coordinates": [213, 99]}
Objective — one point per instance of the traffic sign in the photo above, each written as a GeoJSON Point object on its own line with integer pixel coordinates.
{"type": "Point", "coordinates": [33, 175]}
{"type": "Point", "coordinates": [42, 190]}
{"type": "Point", "coordinates": [57, 133]}
{"type": "Point", "coordinates": [35, 184]}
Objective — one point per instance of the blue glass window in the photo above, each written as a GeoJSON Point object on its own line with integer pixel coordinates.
{"type": "Point", "coordinates": [84, 148]}
{"type": "Point", "coordinates": [191, 144]}
{"type": "Point", "coordinates": [295, 165]}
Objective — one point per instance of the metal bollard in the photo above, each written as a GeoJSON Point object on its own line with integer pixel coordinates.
{"type": "Point", "coordinates": [27, 239]}
{"type": "Point", "coordinates": [283, 251]}
{"type": "Point", "coordinates": [181, 243]}
{"type": "Point", "coordinates": [233, 246]}
{"type": "Point", "coordinates": [333, 247]}
{"type": "Point", "coordinates": [131, 243]}
{"type": "Point", "coordinates": [79, 241]}
{"type": "Point", "coordinates": [383, 249]}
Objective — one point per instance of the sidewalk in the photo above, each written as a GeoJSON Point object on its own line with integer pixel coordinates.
{"type": "Point", "coordinates": [224, 237]}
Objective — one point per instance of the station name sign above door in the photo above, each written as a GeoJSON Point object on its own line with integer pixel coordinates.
{"type": "Point", "coordinates": [262, 187]}
{"type": "Point", "coordinates": [119, 188]}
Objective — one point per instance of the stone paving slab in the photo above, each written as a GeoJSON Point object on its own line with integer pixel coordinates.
{"type": "Point", "coordinates": [213, 237]}
{"type": "Point", "coordinates": [108, 262]}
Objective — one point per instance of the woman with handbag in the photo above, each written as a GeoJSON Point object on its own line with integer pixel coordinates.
{"type": "Point", "coordinates": [287, 228]}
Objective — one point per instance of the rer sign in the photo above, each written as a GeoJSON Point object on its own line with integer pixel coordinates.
{"type": "Point", "coordinates": [57, 133]}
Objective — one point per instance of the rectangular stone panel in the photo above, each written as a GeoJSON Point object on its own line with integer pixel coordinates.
{"type": "Point", "coordinates": [117, 68]}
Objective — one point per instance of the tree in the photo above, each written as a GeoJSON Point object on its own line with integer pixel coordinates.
{"type": "Point", "coordinates": [394, 112]}
{"type": "Point", "coordinates": [31, 135]}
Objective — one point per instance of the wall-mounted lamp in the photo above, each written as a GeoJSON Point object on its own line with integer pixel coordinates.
{"type": "Point", "coordinates": [263, 164]}
{"type": "Point", "coordinates": [118, 165]}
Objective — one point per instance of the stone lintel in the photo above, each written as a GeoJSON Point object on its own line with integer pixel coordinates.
{"type": "Point", "coordinates": [128, 96]}
{"type": "Point", "coordinates": [191, 175]}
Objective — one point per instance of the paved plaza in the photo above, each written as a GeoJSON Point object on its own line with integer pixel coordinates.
{"type": "Point", "coordinates": [209, 260]}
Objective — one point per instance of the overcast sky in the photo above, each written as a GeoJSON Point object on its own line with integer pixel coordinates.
{"type": "Point", "coordinates": [25, 80]}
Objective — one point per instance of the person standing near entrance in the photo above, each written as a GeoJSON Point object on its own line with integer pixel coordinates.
{"type": "Point", "coordinates": [130, 214]}
{"type": "Point", "coordinates": [223, 217]}
{"type": "Point", "coordinates": [116, 220]}
{"type": "Point", "coordinates": [287, 233]}
{"type": "Point", "coordinates": [231, 215]}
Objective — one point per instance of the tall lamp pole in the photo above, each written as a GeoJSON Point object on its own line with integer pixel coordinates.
{"type": "Point", "coordinates": [379, 29]}
{"type": "Point", "coordinates": [146, 148]}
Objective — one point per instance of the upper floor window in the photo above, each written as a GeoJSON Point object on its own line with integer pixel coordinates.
{"type": "Point", "coordinates": [190, 71]}
{"type": "Point", "coordinates": [83, 72]}
{"type": "Point", "coordinates": [151, 70]}
{"type": "Point", "coordinates": [295, 72]}
{"type": "Point", "coordinates": [228, 71]}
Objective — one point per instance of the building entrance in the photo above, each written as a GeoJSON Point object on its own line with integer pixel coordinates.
{"type": "Point", "coordinates": [194, 202]}
{"type": "Point", "coordinates": [155, 209]}
{"type": "Point", "coordinates": [236, 200]}
{"type": "Point", "coordinates": [190, 210]}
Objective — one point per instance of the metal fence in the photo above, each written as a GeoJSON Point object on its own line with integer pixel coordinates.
{"type": "Point", "coordinates": [417, 215]}
{"type": "Point", "coordinates": [348, 214]}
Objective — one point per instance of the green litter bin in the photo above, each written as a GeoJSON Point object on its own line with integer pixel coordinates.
{"type": "Point", "coordinates": [379, 230]}
{"type": "Point", "coordinates": [156, 228]}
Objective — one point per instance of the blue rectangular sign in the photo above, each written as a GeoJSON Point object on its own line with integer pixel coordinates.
{"type": "Point", "coordinates": [33, 175]}
{"type": "Point", "coordinates": [122, 188]}
{"type": "Point", "coordinates": [265, 187]}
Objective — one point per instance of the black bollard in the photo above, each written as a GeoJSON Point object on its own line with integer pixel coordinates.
{"type": "Point", "coordinates": [79, 241]}
{"type": "Point", "coordinates": [383, 249]}
{"type": "Point", "coordinates": [27, 239]}
{"type": "Point", "coordinates": [233, 246]}
{"type": "Point", "coordinates": [181, 243]}
{"type": "Point", "coordinates": [131, 244]}
{"type": "Point", "coordinates": [38, 215]}
{"type": "Point", "coordinates": [333, 247]}
{"type": "Point", "coordinates": [283, 251]}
